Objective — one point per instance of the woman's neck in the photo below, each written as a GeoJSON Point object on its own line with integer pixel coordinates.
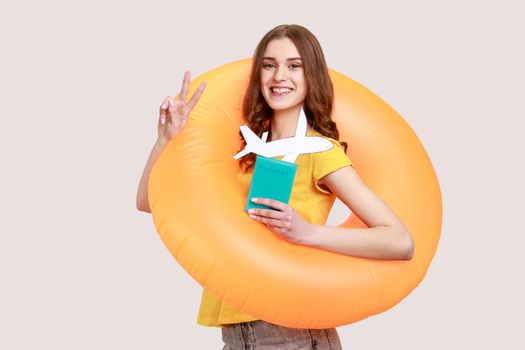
{"type": "Point", "coordinates": [284, 123]}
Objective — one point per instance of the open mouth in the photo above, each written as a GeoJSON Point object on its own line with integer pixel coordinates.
{"type": "Point", "coordinates": [280, 91]}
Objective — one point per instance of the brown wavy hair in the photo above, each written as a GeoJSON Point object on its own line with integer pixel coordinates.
{"type": "Point", "coordinates": [319, 98]}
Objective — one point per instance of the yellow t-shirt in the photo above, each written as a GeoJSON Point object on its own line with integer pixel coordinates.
{"type": "Point", "coordinates": [308, 199]}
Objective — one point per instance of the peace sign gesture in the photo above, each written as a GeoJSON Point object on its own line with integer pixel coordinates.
{"type": "Point", "coordinates": [174, 114]}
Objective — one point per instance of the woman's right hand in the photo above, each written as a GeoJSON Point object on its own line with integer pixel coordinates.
{"type": "Point", "coordinates": [172, 118]}
{"type": "Point", "coordinates": [174, 114]}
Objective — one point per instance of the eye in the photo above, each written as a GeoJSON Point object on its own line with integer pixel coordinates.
{"type": "Point", "coordinates": [268, 65]}
{"type": "Point", "coordinates": [295, 66]}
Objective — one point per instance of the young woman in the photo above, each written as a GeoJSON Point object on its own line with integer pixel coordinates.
{"type": "Point", "coordinates": [289, 72]}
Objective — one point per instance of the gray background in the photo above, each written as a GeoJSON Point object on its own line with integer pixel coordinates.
{"type": "Point", "coordinates": [81, 268]}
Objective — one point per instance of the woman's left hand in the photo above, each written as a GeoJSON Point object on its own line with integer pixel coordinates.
{"type": "Point", "coordinates": [284, 221]}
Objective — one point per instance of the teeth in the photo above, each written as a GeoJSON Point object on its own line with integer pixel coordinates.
{"type": "Point", "coordinates": [281, 90]}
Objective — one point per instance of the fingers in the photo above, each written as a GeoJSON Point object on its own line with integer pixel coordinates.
{"type": "Point", "coordinates": [185, 86]}
{"type": "Point", "coordinates": [176, 112]}
{"type": "Point", "coordinates": [271, 203]}
{"type": "Point", "coordinates": [284, 224]}
{"type": "Point", "coordinates": [180, 107]}
{"type": "Point", "coordinates": [196, 96]}
{"type": "Point", "coordinates": [281, 219]}
{"type": "Point", "coordinates": [163, 111]}
{"type": "Point", "coordinates": [269, 213]}
{"type": "Point", "coordinates": [277, 229]}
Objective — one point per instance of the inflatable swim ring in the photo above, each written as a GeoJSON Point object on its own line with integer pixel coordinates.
{"type": "Point", "coordinates": [197, 208]}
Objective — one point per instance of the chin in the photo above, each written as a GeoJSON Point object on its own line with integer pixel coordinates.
{"type": "Point", "coordinates": [282, 106]}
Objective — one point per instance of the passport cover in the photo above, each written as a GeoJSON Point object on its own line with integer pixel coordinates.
{"type": "Point", "coordinates": [272, 178]}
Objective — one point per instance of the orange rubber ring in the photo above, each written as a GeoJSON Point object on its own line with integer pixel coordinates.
{"type": "Point", "coordinates": [197, 207]}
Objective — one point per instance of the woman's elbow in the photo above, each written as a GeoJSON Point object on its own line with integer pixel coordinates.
{"type": "Point", "coordinates": [143, 206]}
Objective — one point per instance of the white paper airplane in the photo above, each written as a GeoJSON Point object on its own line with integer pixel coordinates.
{"type": "Point", "coordinates": [290, 147]}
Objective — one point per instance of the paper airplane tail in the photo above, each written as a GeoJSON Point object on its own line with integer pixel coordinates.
{"type": "Point", "coordinates": [241, 154]}
{"type": "Point", "coordinates": [250, 136]}
{"type": "Point", "coordinates": [252, 141]}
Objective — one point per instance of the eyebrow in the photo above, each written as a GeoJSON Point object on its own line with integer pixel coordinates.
{"type": "Point", "coordinates": [288, 59]}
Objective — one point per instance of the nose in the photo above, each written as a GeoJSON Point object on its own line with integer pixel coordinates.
{"type": "Point", "coordinates": [280, 73]}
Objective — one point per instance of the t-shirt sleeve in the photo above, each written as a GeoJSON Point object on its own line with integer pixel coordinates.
{"type": "Point", "coordinates": [328, 161]}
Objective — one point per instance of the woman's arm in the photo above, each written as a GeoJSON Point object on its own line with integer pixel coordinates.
{"type": "Point", "coordinates": [173, 116]}
{"type": "Point", "coordinates": [385, 238]}
{"type": "Point", "coordinates": [142, 193]}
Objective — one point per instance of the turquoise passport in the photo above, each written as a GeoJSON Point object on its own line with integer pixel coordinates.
{"type": "Point", "coordinates": [272, 178]}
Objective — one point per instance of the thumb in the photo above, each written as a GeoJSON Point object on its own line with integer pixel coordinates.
{"type": "Point", "coordinates": [163, 114]}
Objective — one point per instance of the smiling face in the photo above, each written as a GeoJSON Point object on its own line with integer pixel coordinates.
{"type": "Point", "coordinates": [283, 83]}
